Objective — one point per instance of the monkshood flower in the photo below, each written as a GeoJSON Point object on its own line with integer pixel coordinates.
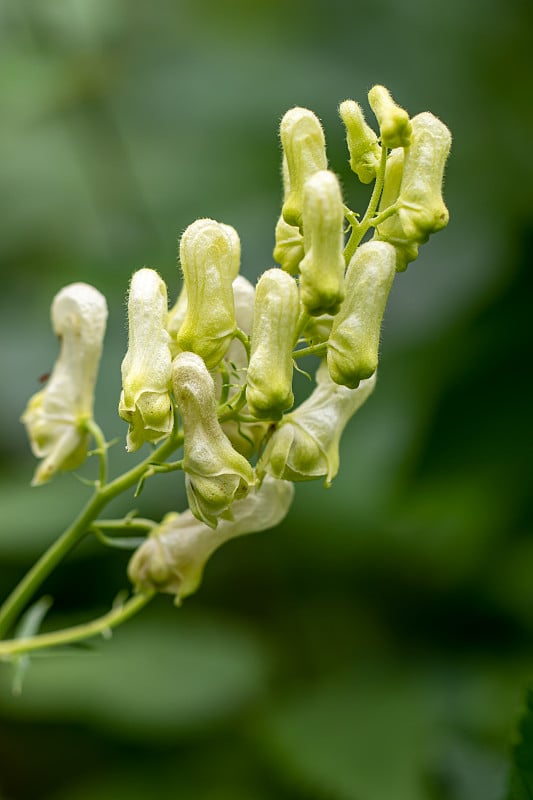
{"type": "Point", "coordinates": [322, 268]}
{"type": "Point", "coordinates": [394, 124]}
{"type": "Point", "coordinates": [173, 558]}
{"type": "Point", "coordinates": [289, 249]}
{"type": "Point", "coordinates": [354, 339]}
{"type": "Point", "coordinates": [276, 312]}
{"type": "Point", "coordinates": [414, 182]}
{"type": "Point", "coordinates": [304, 149]}
{"type": "Point", "coordinates": [210, 259]}
{"type": "Point", "coordinates": [390, 230]}
{"type": "Point", "coordinates": [363, 145]}
{"type": "Point", "coordinates": [215, 473]}
{"type": "Point", "coordinates": [145, 400]}
{"type": "Point", "coordinates": [305, 446]}
{"type": "Point", "coordinates": [56, 417]}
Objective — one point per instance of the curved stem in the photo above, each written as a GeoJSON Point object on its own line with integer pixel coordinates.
{"type": "Point", "coordinates": [29, 584]}
{"type": "Point", "coordinates": [77, 633]}
{"type": "Point", "coordinates": [244, 339]}
{"type": "Point", "coordinates": [312, 350]}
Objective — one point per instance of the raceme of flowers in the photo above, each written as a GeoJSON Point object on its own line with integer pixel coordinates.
{"type": "Point", "coordinates": [218, 366]}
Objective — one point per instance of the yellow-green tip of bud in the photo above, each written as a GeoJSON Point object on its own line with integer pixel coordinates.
{"type": "Point", "coordinates": [363, 145]}
{"type": "Point", "coordinates": [394, 124]}
{"type": "Point", "coordinates": [55, 417]}
{"type": "Point", "coordinates": [276, 312]}
{"type": "Point", "coordinates": [145, 400]}
{"type": "Point", "coordinates": [322, 268]}
{"type": "Point", "coordinates": [304, 148]}
{"type": "Point", "coordinates": [210, 257]}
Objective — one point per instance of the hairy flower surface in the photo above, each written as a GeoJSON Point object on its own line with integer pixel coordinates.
{"type": "Point", "coordinates": [56, 417]}
{"type": "Point", "coordinates": [394, 124]}
{"type": "Point", "coordinates": [276, 312]}
{"type": "Point", "coordinates": [210, 258]}
{"type": "Point", "coordinates": [216, 474]}
{"type": "Point", "coordinates": [145, 400]}
{"type": "Point", "coordinates": [304, 148]}
{"type": "Point", "coordinates": [363, 145]}
{"type": "Point", "coordinates": [354, 339]}
{"type": "Point", "coordinates": [322, 268]}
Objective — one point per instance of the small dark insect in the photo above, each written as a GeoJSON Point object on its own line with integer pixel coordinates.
{"type": "Point", "coordinates": [44, 377]}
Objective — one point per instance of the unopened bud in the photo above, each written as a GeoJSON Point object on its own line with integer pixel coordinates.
{"type": "Point", "coordinates": [173, 558]}
{"type": "Point", "coordinates": [422, 209]}
{"type": "Point", "coordinates": [306, 444]}
{"type": "Point", "coordinates": [363, 146]}
{"type": "Point", "coordinates": [276, 312]}
{"type": "Point", "coordinates": [394, 125]}
{"type": "Point", "coordinates": [304, 149]}
{"type": "Point", "coordinates": [209, 256]}
{"type": "Point", "coordinates": [354, 340]}
{"type": "Point", "coordinates": [322, 268]}
{"type": "Point", "coordinates": [390, 230]}
{"type": "Point", "coordinates": [289, 249]}
{"type": "Point", "coordinates": [55, 417]}
{"type": "Point", "coordinates": [216, 474]}
{"type": "Point", "coordinates": [145, 399]}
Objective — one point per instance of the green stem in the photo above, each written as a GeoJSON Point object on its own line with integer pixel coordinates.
{"type": "Point", "coordinates": [242, 337]}
{"type": "Point", "coordinates": [312, 350]}
{"type": "Point", "coordinates": [77, 633]}
{"type": "Point", "coordinates": [27, 587]}
{"type": "Point", "coordinates": [133, 523]}
{"type": "Point", "coordinates": [359, 231]}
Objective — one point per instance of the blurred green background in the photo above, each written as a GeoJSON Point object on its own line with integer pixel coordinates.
{"type": "Point", "coordinates": [376, 646]}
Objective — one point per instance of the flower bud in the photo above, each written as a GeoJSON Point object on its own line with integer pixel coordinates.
{"type": "Point", "coordinates": [216, 474]}
{"type": "Point", "coordinates": [304, 148]}
{"type": "Point", "coordinates": [276, 312]}
{"type": "Point", "coordinates": [145, 400]}
{"type": "Point", "coordinates": [173, 558]}
{"type": "Point", "coordinates": [363, 146]}
{"type": "Point", "coordinates": [354, 340]}
{"type": "Point", "coordinates": [55, 416]}
{"type": "Point", "coordinates": [391, 229]}
{"type": "Point", "coordinates": [306, 444]}
{"type": "Point", "coordinates": [289, 249]}
{"type": "Point", "coordinates": [209, 256]}
{"type": "Point", "coordinates": [322, 268]}
{"type": "Point", "coordinates": [394, 125]}
{"type": "Point", "coordinates": [422, 209]}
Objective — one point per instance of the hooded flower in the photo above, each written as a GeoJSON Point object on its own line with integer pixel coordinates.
{"type": "Point", "coordinates": [276, 312]}
{"type": "Point", "coordinates": [216, 474]}
{"type": "Point", "coordinates": [55, 417]}
{"type": "Point", "coordinates": [145, 399]}
{"type": "Point", "coordinates": [354, 339]}
{"type": "Point", "coordinates": [304, 149]}
{"type": "Point", "coordinates": [305, 446]}
{"type": "Point", "coordinates": [172, 559]}
{"type": "Point", "coordinates": [322, 268]}
{"type": "Point", "coordinates": [210, 259]}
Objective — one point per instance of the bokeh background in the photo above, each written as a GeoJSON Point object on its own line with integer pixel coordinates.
{"type": "Point", "coordinates": [377, 645]}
